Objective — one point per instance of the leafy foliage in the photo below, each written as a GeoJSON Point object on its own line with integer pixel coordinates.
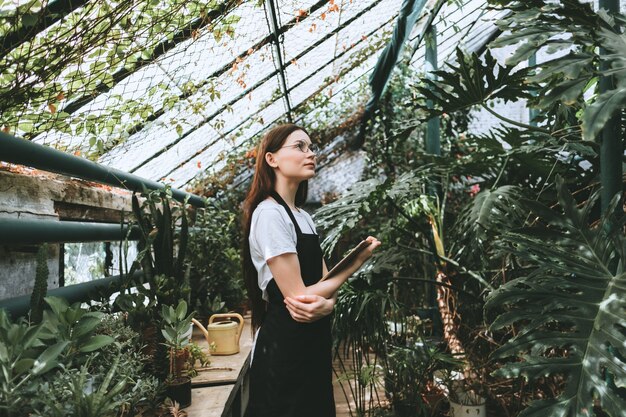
{"type": "Point", "coordinates": [162, 250]}
{"type": "Point", "coordinates": [568, 309]}
{"type": "Point", "coordinates": [569, 25]}
{"type": "Point", "coordinates": [84, 399]}
{"type": "Point", "coordinates": [23, 356]}
{"type": "Point", "coordinates": [214, 260]}
{"type": "Point", "coordinates": [73, 326]}
{"type": "Point", "coordinates": [70, 373]}
{"type": "Point", "coordinates": [176, 324]}
{"type": "Point", "coordinates": [53, 67]}
{"type": "Point", "coordinates": [491, 212]}
{"type": "Point", "coordinates": [342, 215]}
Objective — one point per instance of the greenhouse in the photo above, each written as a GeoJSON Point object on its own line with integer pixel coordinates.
{"type": "Point", "coordinates": [314, 208]}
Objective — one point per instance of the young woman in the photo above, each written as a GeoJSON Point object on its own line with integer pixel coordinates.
{"type": "Point", "coordinates": [291, 370]}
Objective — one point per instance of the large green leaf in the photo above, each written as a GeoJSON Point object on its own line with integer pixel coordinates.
{"type": "Point", "coordinates": [47, 360]}
{"type": "Point", "coordinates": [85, 326]}
{"type": "Point", "coordinates": [96, 342]}
{"type": "Point", "coordinates": [606, 105]}
{"type": "Point", "coordinates": [573, 301]}
{"type": "Point", "coordinates": [570, 65]}
{"type": "Point", "coordinates": [344, 214]}
{"type": "Point", "coordinates": [491, 212]}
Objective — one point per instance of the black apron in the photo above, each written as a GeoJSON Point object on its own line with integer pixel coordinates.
{"type": "Point", "coordinates": [291, 371]}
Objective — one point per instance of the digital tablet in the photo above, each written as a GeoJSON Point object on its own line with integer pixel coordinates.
{"type": "Point", "coordinates": [347, 260]}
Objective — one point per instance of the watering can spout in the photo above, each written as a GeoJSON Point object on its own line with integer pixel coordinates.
{"type": "Point", "coordinates": [203, 329]}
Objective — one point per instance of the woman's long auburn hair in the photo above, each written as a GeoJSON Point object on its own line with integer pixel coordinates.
{"type": "Point", "coordinates": [262, 185]}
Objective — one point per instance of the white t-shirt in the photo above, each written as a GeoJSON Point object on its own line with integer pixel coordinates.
{"type": "Point", "coordinates": [272, 233]}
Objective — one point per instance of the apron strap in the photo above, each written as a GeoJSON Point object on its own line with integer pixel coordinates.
{"type": "Point", "coordinates": [282, 202]}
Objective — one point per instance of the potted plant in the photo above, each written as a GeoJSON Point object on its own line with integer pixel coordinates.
{"type": "Point", "coordinates": [465, 396]}
{"type": "Point", "coordinates": [409, 377]}
{"type": "Point", "coordinates": [176, 324]}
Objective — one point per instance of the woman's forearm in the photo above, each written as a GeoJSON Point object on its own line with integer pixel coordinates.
{"type": "Point", "coordinates": [329, 287]}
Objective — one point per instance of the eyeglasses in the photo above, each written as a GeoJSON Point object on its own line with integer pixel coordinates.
{"type": "Point", "coordinates": [304, 147]}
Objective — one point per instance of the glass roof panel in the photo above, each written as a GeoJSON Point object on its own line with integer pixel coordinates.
{"type": "Point", "coordinates": [455, 27]}
{"type": "Point", "coordinates": [192, 144]}
{"type": "Point", "coordinates": [317, 80]}
{"type": "Point", "coordinates": [299, 94]}
{"type": "Point", "coordinates": [262, 64]}
{"type": "Point", "coordinates": [229, 85]}
{"type": "Point", "coordinates": [213, 159]}
{"type": "Point", "coordinates": [351, 38]}
{"type": "Point", "coordinates": [195, 60]}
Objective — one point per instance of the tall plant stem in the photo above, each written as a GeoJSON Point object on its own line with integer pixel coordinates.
{"type": "Point", "coordinates": [513, 122]}
{"type": "Point", "coordinates": [506, 161]}
{"type": "Point", "coordinates": [448, 315]}
{"type": "Point", "coordinates": [469, 272]}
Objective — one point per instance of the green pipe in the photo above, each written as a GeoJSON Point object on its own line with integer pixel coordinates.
{"type": "Point", "coordinates": [433, 134]}
{"type": "Point", "coordinates": [28, 231]}
{"type": "Point", "coordinates": [19, 306]}
{"type": "Point", "coordinates": [25, 152]}
{"type": "Point", "coordinates": [611, 147]}
{"type": "Point", "coordinates": [433, 147]}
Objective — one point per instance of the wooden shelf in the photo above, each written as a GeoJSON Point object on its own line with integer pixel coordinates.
{"type": "Point", "coordinates": [221, 389]}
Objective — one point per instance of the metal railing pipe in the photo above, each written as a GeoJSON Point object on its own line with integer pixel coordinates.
{"type": "Point", "coordinates": [19, 306]}
{"type": "Point", "coordinates": [25, 152]}
{"type": "Point", "coordinates": [30, 231]}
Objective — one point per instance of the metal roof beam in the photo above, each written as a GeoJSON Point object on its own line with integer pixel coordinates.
{"type": "Point", "coordinates": [273, 26]}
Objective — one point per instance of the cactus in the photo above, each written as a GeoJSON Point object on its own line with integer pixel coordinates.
{"type": "Point", "coordinates": [41, 285]}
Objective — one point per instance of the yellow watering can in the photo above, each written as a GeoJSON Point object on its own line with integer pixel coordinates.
{"type": "Point", "coordinates": [224, 334]}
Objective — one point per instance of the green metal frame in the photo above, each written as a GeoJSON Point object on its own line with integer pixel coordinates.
{"type": "Point", "coordinates": [408, 16]}
{"type": "Point", "coordinates": [24, 152]}
{"type": "Point", "coordinates": [611, 152]}
{"type": "Point", "coordinates": [433, 147]}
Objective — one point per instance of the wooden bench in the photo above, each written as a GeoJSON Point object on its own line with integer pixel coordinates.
{"type": "Point", "coordinates": [221, 389]}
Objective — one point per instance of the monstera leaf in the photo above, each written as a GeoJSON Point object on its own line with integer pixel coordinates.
{"type": "Point", "coordinates": [473, 80]}
{"type": "Point", "coordinates": [569, 311]}
{"type": "Point", "coordinates": [491, 212]}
